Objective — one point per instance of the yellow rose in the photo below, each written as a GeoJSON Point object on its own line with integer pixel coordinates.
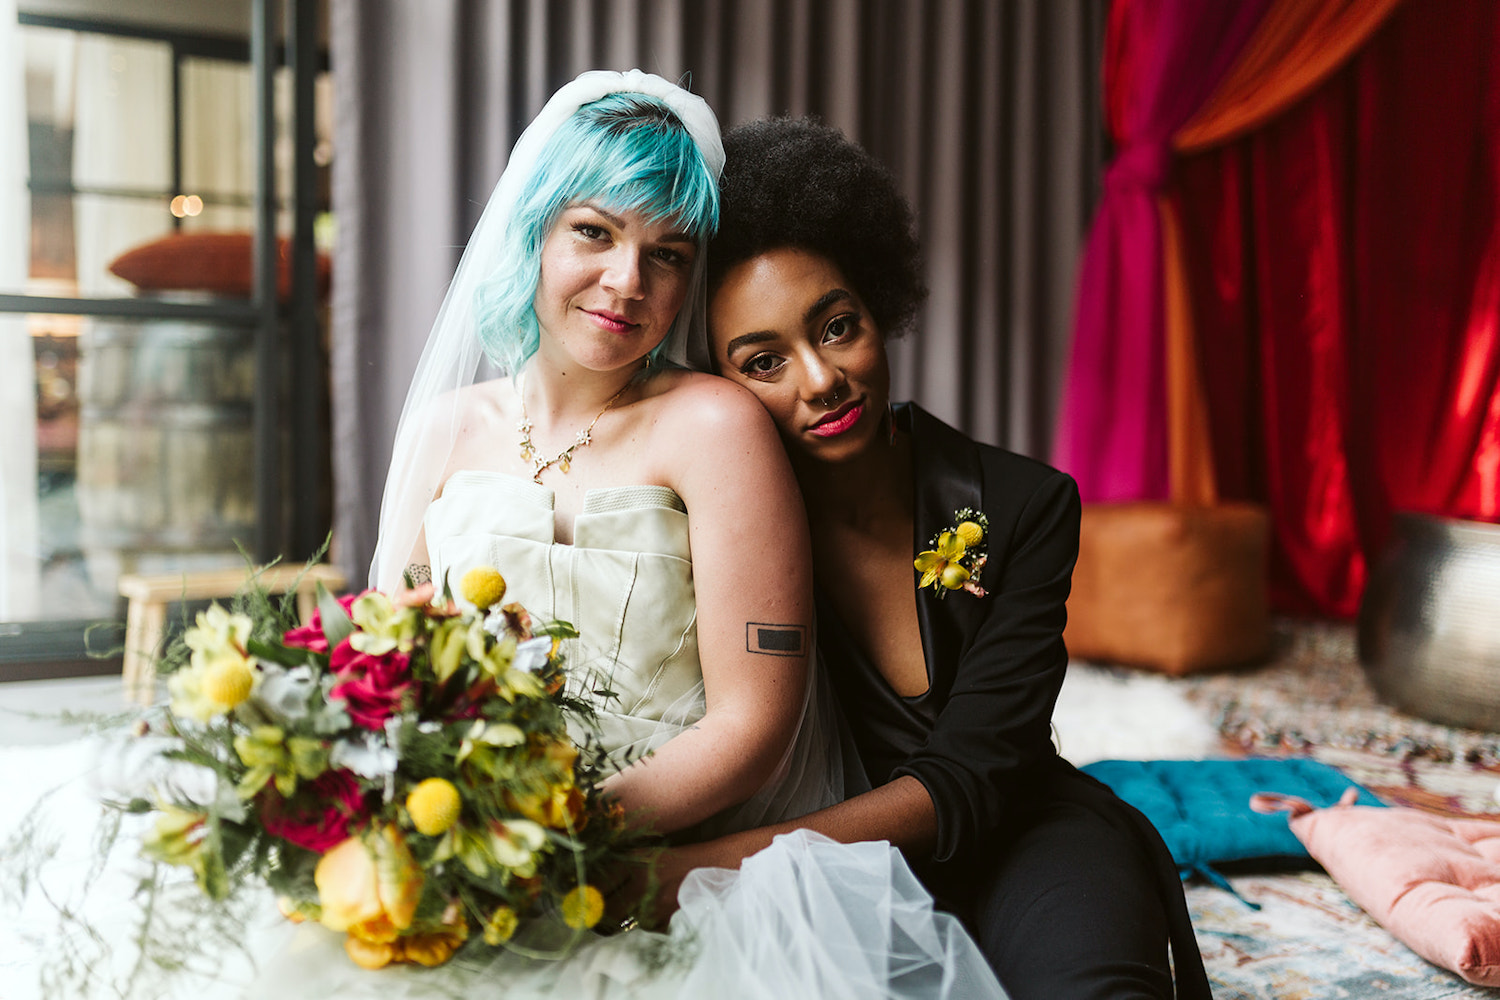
{"type": "Point", "coordinates": [435, 947]}
{"type": "Point", "coordinates": [371, 954]}
{"type": "Point", "coordinates": [562, 754]}
{"type": "Point", "coordinates": [369, 885]}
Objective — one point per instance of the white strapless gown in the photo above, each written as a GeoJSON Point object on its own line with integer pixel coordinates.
{"type": "Point", "coordinates": [805, 918]}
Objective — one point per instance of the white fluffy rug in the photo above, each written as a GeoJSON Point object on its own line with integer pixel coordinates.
{"type": "Point", "coordinates": [1112, 714]}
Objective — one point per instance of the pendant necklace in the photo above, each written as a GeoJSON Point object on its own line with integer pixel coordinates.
{"type": "Point", "coordinates": [563, 459]}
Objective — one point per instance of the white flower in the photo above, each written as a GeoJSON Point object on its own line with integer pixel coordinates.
{"type": "Point", "coordinates": [532, 654]}
{"type": "Point", "coordinates": [283, 693]}
{"type": "Point", "coordinates": [369, 757]}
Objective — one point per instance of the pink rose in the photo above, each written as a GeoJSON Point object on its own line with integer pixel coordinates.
{"type": "Point", "coordinates": [320, 815]}
{"type": "Point", "coordinates": [310, 636]}
{"type": "Point", "coordinates": [372, 687]}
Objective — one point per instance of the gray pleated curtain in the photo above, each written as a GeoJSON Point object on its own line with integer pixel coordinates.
{"type": "Point", "coordinates": [986, 110]}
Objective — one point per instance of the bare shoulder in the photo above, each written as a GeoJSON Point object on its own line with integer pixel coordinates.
{"type": "Point", "coordinates": [464, 402]}
{"type": "Point", "coordinates": [712, 438]}
{"type": "Point", "coordinates": [711, 404]}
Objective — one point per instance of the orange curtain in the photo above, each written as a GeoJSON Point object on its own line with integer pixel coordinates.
{"type": "Point", "coordinates": [1296, 46]}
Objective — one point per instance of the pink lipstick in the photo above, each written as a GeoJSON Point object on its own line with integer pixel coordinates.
{"type": "Point", "coordinates": [839, 421]}
{"type": "Point", "coordinates": [610, 321]}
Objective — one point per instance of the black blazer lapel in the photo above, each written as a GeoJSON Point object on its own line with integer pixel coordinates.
{"type": "Point", "coordinates": [948, 476]}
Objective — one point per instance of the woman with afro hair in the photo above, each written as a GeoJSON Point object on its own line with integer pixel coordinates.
{"type": "Point", "coordinates": [941, 568]}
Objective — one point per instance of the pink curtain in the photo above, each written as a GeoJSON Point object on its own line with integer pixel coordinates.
{"type": "Point", "coordinates": [1163, 59]}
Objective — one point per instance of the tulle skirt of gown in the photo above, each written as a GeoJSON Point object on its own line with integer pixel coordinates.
{"type": "Point", "coordinates": [806, 917]}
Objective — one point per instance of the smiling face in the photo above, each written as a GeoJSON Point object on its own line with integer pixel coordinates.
{"type": "Point", "coordinates": [611, 285]}
{"type": "Point", "coordinates": [788, 326]}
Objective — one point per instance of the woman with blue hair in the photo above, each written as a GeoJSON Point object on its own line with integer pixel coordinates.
{"type": "Point", "coordinates": [552, 432]}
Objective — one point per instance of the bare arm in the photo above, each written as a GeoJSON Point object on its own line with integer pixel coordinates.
{"type": "Point", "coordinates": [899, 811]}
{"type": "Point", "coordinates": [753, 581]}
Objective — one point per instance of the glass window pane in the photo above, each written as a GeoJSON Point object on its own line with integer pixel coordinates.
{"type": "Point", "coordinates": [218, 149]}
{"type": "Point", "coordinates": [120, 143]}
{"type": "Point", "coordinates": [133, 453]}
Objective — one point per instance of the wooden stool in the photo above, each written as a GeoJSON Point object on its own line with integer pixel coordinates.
{"type": "Point", "coordinates": [146, 616]}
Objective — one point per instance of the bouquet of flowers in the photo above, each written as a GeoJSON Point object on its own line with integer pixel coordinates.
{"type": "Point", "coordinates": [397, 769]}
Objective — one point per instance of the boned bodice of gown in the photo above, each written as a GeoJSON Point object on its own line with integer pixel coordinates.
{"type": "Point", "coordinates": [626, 584]}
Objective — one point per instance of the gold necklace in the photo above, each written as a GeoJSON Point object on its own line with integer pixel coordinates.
{"type": "Point", "coordinates": [563, 459]}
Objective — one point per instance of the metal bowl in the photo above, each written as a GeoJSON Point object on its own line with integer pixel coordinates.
{"type": "Point", "coordinates": [1429, 622]}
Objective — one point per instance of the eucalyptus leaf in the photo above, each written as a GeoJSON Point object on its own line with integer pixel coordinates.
{"type": "Point", "coordinates": [275, 653]}
{"type": "Point", "coordinates": [336, 623]}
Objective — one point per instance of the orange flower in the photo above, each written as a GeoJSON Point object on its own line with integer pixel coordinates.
{"type": "Point", "coordinates": [369, 886]}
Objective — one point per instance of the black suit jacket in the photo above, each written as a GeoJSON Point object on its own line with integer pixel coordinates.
{"type": "Point", "coordinates": [980, 738]}
{"type": "Point", "coordinates": [995, 664]}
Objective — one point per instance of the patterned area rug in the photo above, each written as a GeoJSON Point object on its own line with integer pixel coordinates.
{"type": "Point", "coordinates": [1309, 942]}
{"type": "Point", "coordinates": [1313, 700]}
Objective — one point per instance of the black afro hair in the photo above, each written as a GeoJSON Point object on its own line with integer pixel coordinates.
{"type": "Point", "coordinates": [795, 182]}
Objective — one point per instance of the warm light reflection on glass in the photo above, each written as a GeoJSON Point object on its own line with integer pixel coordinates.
{"type": "Point", "coordinates": [186, 205]}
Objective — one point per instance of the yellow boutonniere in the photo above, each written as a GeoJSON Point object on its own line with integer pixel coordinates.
{"type": "Point", "coordinates": [957, 556]}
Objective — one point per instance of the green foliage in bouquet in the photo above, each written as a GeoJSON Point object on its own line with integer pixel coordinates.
{"type": "Point", "coordinates": [397, 769]}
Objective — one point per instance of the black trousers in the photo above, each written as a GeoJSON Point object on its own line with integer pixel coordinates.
{"type": "Point", "coordinates": [1076, 899]}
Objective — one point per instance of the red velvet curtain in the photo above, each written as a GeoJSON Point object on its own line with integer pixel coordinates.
{"type": "Point", "coordinates": [1345, 270]}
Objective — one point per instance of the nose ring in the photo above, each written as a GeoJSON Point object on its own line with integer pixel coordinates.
{"type": "Point", "coordinates": [829, 401]}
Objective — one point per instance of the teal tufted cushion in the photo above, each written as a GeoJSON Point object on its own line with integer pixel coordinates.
{"type": "Point", "coordinates": [1202, 810]}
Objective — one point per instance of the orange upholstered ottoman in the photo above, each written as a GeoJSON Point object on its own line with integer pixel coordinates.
{"type": "Point", "coordinates": [1170, 587]}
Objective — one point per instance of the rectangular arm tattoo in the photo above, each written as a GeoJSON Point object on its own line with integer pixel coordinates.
{"type": "Point", "coordinates": [775, 640]}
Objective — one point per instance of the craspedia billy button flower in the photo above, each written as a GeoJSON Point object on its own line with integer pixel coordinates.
{"type": "Point", "coordinates": [501, 926]}
{"type": "Point", "coordinates": [583, 907]}
{"type": "Point", "coordinates": [228, 682]}
{"type": "Point", "coordinates": [482, 586]}
{"type": "Point", "coordinates": [970, 533]}
{"type": "Point", "coordinates": [433, 806]}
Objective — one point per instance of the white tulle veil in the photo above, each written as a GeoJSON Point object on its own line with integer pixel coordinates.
{"type": "Point", "coordinates": [454, 357]}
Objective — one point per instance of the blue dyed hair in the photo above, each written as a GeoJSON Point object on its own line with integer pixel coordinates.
{"type": "Point", "coordinates": [626, 151]}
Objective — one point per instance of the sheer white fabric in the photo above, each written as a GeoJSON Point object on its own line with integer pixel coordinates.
{"type": "Point", "coordinates": [806, 917]}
